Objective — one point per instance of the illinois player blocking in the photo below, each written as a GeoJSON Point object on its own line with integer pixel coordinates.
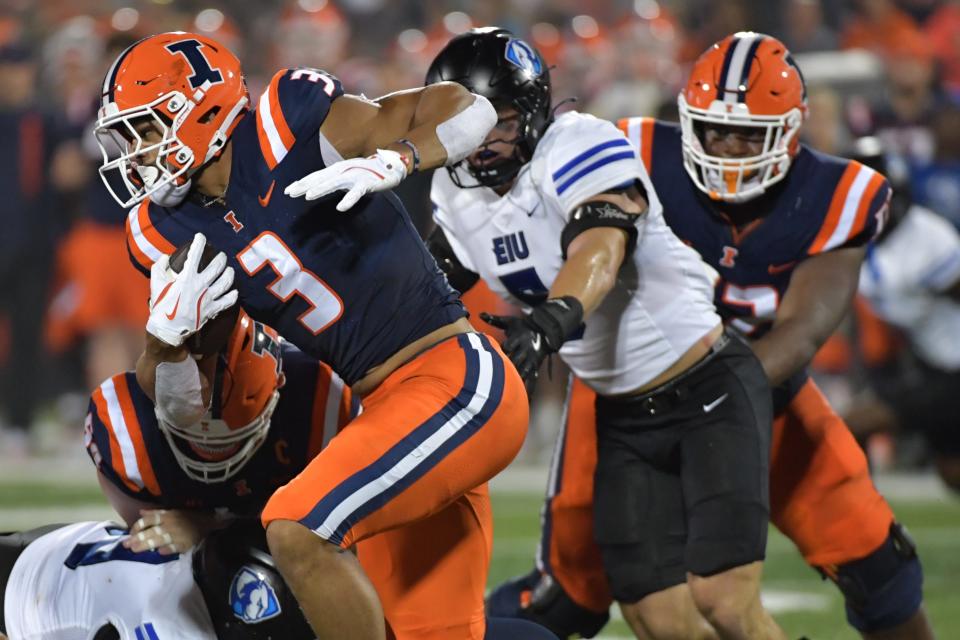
{"type": "Point", "coordinates": [786, 229]}
{"type": "Point", "coordinates": [195, 443]}
{"type": "Point", "coordinates": [356, 290]}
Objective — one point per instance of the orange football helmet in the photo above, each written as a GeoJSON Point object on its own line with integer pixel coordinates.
{"type": "Point", "coordinates": [245, 394]}
{"type": "Point", "coordinates": [185, 85]}
{"type": "Point", "coordinates": [745, 80]}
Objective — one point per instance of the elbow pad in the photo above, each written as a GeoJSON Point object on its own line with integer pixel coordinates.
{"type": "Point", "coordinates": [459, 277]}
{"type": "Point", "coordinates": [178, 392]}
{"type": "Point", "coordinates": [601, 214]}
{"type": "Point", "coordinates": [467, 130]}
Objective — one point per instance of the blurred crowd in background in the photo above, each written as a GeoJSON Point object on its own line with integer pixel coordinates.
{"type": "Point", "coordinates": [72, 309]}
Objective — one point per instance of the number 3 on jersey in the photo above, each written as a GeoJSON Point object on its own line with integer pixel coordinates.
{"type": "Point", "coordinates": [759, 301]}
{"type": "Point", "coordinates": [268, 249]}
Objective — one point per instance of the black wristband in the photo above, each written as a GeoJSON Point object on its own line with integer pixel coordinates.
{"type": "Point", "coordinates": [557, 319]}
{"type": "Point", "coordinates": [416, 154]}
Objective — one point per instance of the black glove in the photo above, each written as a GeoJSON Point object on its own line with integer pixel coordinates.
{"type": "Point", "coordinates": [533, 337]}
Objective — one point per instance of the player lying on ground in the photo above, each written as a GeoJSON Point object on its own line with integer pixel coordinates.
{"type": "Point", "coordinates": [80, 582]}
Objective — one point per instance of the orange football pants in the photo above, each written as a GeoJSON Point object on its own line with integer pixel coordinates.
{"type": "Point", "coordinates": [96, 286]}
{"type": "Point", "coordinates": [821, 493]}
{"type": "Point", "coordinates": [406, 480]}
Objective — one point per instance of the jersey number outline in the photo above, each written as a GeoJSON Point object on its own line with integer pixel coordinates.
{"type": "Point", "coordinates": [203, 71]}
{"type": "Point", "coordinates": [329, 86]}
{"type": "Point", "coordinates": [109, 549]}
{"type": "Point", "coordinates": [761, 300]}
{"type": "Point", "coordinates": [268, 249]}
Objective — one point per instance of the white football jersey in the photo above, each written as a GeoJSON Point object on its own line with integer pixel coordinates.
{"type": "Point", "coordinates": [662, 302]}
{"type": "Point", "coordinates": [72, 581]}
{"type": "Point", "coordinates": [904, 279]}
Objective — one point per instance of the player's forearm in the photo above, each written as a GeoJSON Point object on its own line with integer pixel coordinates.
{"type": "Point", "coordinates": [446, 123]}
{"type": "Point", "coordinates": [786, 349]}
{"type": "Point", "coordinates": [590, 272]}
{"type": "Point", "coordinates": [155, 351]}
{"type": "Point", "coordinates": [173, 379]}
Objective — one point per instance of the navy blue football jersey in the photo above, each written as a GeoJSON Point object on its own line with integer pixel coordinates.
{"type": "Point", "coordinates": [823, 203]}
{"type": "Point", "coordinates": [349, 288]}
{"type": "Point", "coordinates": [124, 440]}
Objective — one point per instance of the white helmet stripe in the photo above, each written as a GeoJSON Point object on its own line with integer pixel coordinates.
{"type": "Point", "coordinates": [739, 58]}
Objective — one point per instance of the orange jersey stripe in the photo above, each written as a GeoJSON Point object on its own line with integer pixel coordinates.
{"type": "Point", "coordinates": [272, 130]}
{"type": "Point", "coordinates": [836, 208]}
{"type": "Point", "coordinates": [136, 436]}
{"type": "Point", "coordinates": [135, 250]}
{"type": "Point", "coordinates": [116, 457]}
{"type": "Point", "coordinates": [150, 232]}
{"type": "Point", "coordinates": [265, 148]}
{"type": "Point", "coordinates": [286, 136]}
{"type": "Point", "coordinates": [639, 132]}
{"type": "Point", "coordinates": [868, 194]}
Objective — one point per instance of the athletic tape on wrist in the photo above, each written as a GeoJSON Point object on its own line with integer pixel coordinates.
{"type": "Point", "coordinates": [178, 392]}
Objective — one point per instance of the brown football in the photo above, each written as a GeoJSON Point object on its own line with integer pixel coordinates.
{"type": "Point", "coordinates": [214, 334]}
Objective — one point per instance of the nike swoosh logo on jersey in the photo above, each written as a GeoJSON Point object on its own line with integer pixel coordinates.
{"type": "Point", "coordinates": [535, 207]}
{"type": "Point", "coordinates": [265, 200]}
{"type": "Point", "coordinates": [774, 269]}
{"type": "Point", "coordinates": [707, 408]}
{"type": "Point", "coordinates": [536, 342]}
{"type": "Point", "coordinates": [173, 314]}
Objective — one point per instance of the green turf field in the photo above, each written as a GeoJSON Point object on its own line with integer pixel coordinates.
{"type": "Point", "coordinates": [802, 603]}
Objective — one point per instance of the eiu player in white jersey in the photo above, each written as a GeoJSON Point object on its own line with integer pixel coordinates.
{"type": "Point", "coordinates": [911, 279]}
{"type": "Point", "coordinates": [559, 217]}
{"type": "Point", "coordinates": [78, 582]}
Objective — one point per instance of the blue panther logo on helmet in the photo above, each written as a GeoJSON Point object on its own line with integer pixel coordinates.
{"type": "Point", "coordinates": [523, 55]}
{"type": "Point", "coordinates": [252, 598]}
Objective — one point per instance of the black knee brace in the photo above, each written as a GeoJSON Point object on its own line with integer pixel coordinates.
{"type": "Point", "coordinates": [548, 605]}
{"type": "Point", "coordinates": [884, 589]}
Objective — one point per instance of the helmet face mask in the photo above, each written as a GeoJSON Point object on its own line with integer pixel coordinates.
{"type": "Point", "coordinates": [127, 153]}
{"type": "Point", "coordinates": [184, 86]}
{"type": "Point", "coordinates": [210, 436]}
{"type": "Point", "coordinates": [736, 179]}
{"type": "Point", "coordinates": [246, 392]}
{"type": "Point", "coordinates": [747, 81]}
{"type": "Point", "coordinates": [492, 62]}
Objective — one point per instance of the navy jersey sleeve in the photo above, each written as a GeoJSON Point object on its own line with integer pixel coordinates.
{"type": "Point", "coordinates": [857, 211]}
{"type": "Point", "coordinates": [292, 109]}
{"type": "Point", "coordinates": [114, 447]}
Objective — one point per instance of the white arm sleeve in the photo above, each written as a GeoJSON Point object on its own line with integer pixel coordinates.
{"type": "Point", "coordinates": [466, 131]}
{"type": "Point", "coordinates": [178, 392]}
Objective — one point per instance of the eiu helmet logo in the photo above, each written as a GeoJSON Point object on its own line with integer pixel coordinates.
{"type": "Point", "coordinates": [252, 598]}
{"type": "Point", "coordinates": [522, 55]}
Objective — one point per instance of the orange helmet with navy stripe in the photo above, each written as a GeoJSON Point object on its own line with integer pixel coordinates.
{"type": "Point", "coordinates": [746, 80]}
{"type": "Point", "coordinates": [246, 390]}
{"type": "Point", "coordinates": [188, 87]}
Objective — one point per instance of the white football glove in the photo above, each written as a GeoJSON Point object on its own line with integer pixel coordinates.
{"type": "Point", "coordinates": [181, 303]}
{"type": "Point", "coordinates": [357, 176]}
